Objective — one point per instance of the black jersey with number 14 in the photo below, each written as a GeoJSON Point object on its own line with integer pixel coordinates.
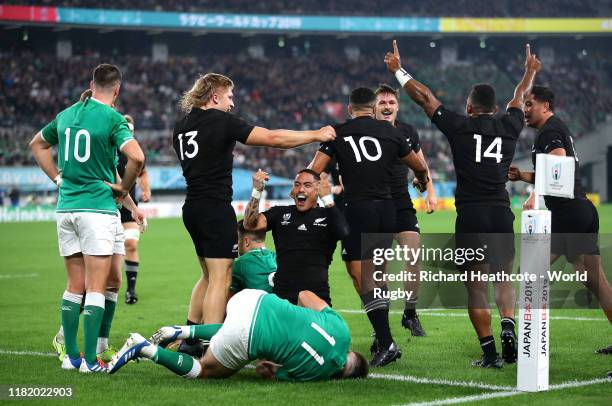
{"type": "Point", "coordinates": [204, 142]}
{"type": "Point", "coordinates": [483, 148]}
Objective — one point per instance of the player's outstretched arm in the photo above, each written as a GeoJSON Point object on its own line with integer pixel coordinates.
{"type": "Point", "coordinates": [263, 137]}
{"type": "Point", "coordinates": [418, 165]}
{"type": "Point", "coordinates": [532, 67]}
{"type": "Point", "coordinates": [253, 220]}
{"type": "Point", "coordinates": [41, 150]}
{"type": "Point", "coordinates": [417, 91]}
{"type": "Point", "coordinates": [320, 161]}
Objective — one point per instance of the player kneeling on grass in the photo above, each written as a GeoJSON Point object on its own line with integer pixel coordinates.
{"type": "Point", "coordinates": [308, 342]}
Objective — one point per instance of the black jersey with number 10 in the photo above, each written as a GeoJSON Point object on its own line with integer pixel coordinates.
{"type": "Point", "coordinates": [204, 142]}
{"type": "Point", "coordinates": [366, 150]}
{"type": "Point", "coordinates": [483, 148]}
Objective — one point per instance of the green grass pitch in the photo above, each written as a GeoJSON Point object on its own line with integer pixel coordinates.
{"type": "Point", "coordinates": [433, 368]}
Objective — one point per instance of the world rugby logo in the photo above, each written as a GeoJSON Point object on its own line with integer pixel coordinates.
{"type": "Point", "coordinates": [556, 171]}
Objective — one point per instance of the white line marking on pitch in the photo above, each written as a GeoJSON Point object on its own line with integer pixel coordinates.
{"type": "Point", "coordinates": [19, 275]}
{"type": "Point", "coordinates": [465, 315]}
{"type": "Point", "coordinates": [507, 390]}
{"type": "Point", "coordinates": [32, 353]}
{"type": "Point", "coordinates": [484, 396]}
{"type": "Point", "coordinates": [416, 379]}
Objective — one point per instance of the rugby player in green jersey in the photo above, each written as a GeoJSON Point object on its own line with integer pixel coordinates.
{"type": "Point", "coordinates": [256, 265]}
{"type": "Point", "coordinates": [308, 342]}
{"type": "Point", "coordinates": [87, 134]}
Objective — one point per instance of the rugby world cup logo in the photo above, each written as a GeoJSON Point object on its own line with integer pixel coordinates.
{"type": "Point", "coordinates": [286, 216]}
{"type": "Point", "coordinates": [531, 225]}
{"type": "Point", "coordinates": [556, 171]}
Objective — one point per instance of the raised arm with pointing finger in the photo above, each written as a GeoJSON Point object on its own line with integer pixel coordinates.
{"type": "Point", "coordinates": [417, 91]}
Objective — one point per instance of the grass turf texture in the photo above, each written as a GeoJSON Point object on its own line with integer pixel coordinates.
{"type": "Point", "coordinates": [33, 280]}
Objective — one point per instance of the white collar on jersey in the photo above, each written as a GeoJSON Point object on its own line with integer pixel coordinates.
{"type": "Point", "coordinates": [93, 98]}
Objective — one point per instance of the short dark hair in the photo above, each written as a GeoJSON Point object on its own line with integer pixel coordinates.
{"type": "Point", "coordinates": [106, 75]}
{"type": "Point", "coordinates": [359, 369]}
{"type": "Point", "coordinates": [483, 96]}
{"type": "Point", "coordinates": [384, 88]}
{"type": "Point", "coordinates": [256, 235]}
{"type": "Point", "coordinates": [362, 98]}
{"type": "Point", "coordinates": [310, 171]}
{"type": "Point", "coordinates": [544, 94]}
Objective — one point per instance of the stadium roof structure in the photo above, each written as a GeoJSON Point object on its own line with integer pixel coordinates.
{"type": "Point", "coordinates": [266, 23]}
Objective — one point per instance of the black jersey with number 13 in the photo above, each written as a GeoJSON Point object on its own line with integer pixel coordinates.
{"type": "Point", "coordinates": [483, 147]}
{"type": "Point", "coordinates": [204, 142]}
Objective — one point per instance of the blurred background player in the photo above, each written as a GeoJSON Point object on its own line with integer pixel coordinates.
{"type": "Point", "coordinates": [88, 134]}
{"type": "Point", "coordinates": [256, 265]}
{"type": "Point", "coordinates": [407, 232]}
{"type": "Point", "coordinates": [483, 147]}
{"type": "Point", "coordinates": [309, 342]}
{"type": "Point", "coordinates": [365, 149]}
{"type": "Point", "coordinates": [305, 235]}
{"type": "Point", "coordinates": [132, 229]}
{"type": "Point", "coordinates": [574, 222]}
{"type": "Point", "coordinates": [204, 140]}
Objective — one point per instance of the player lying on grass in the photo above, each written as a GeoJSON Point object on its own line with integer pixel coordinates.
{"type": "Point", "coordinates": [308, 342]}
{"type": "Point", "coordinates": [574, 222]}
{"type": "Point", "coordinates": [305, 235]}
{"type": "Point", "coordinates": [483, 146]}
{"type": "Point", "coordinates": [253, 269]}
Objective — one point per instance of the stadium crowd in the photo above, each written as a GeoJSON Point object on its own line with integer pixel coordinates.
{"type": "Point", "coordinates": [282, 90]}
{"type": "Point", "coordinates": [424, 8]}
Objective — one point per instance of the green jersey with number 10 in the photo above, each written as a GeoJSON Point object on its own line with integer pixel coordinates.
{"type": "Point", "coordinates": [310, 345]}
{"type": "Point", "coordinates": [88, 135]}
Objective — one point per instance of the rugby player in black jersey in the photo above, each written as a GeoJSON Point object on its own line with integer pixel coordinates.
{"type": "Point", "coordinates": [407, 232]}
{"type": "Point", "coordinates": [204, 141]}
{"type": "Point", "coordinates": [366, 149]}
{"type": "Point", "coordinates": [574, 222]}
{"type": "Point", "coordinates": [483, 147]}
{"type": "Point", "coordinates": [131, 228]}
{"type": "Point", "coordinates": [305, 235]}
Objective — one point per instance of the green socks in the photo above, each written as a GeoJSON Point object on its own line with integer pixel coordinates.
{"type": "Point", "coordinates": [203, 331]}
{"type": "Point", "coordinates": [109, 312]}
{"type": "Point", "coordinates": [92, 321]}
{"type": "Point", "coordinates": [71, 311]}
{"type": "Point", "coordinates": [179, 363]}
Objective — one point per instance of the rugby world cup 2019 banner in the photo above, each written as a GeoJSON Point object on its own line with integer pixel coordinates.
{"type": "Point", "coordinates": [295, 23]}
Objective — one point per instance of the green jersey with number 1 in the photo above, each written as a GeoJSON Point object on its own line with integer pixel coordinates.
{"type": "Point", "coordinates": [310, 345]}
{"type": "Point", "coordinates": [88, 135]}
